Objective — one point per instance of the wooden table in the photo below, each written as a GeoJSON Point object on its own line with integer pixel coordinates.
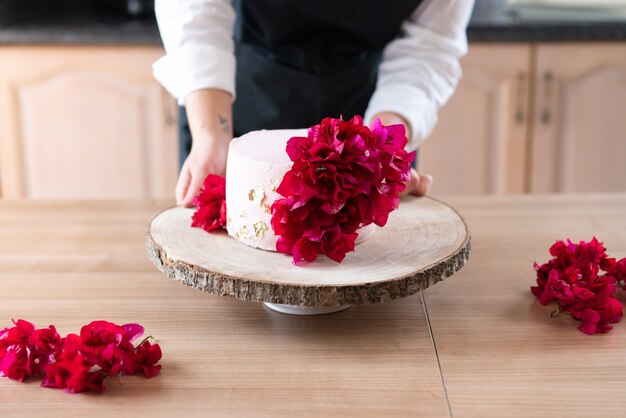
{"type": "Point", "coordinates": [477, 344]}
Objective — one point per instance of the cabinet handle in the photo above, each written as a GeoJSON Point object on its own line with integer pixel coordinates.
{"type": "Point", "coordinates": [548, 81]}
{"type": "Point", "coordinates": [169, 114]}
{"type": "Point", "coordinates": [519, 101]}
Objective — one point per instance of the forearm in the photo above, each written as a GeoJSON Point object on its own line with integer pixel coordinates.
{"type": "Point", "coordinates": [209, 112]}
{"type": "Point", "coordinates": [198, 39]}
{"type": "Point", "coordinates": [420, 68]}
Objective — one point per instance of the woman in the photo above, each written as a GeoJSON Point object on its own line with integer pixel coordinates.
{"type": "Point", "coordinates": [291, 63]}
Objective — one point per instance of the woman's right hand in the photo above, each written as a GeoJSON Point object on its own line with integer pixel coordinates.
{"type": "Point", "coordinates": [209, 112]}
{"type": "Point", "coordinates": [207, 156]}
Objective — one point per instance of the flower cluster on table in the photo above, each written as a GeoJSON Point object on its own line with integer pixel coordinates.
{"type": "Point", "coordinates": [582, 279]}
{"type": "Point", "coordinates": [77, 362]}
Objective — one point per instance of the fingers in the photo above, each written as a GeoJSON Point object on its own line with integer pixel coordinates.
{"type": "Point", "coordinates": [423, 186]}
{"type": "Point", "coordinates": [419, 185]}
{"type": "Point", "coordinates": [184, 178]}
{"type": "Point", "coordinates": [197, 180]}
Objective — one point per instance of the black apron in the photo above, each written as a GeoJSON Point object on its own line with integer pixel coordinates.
{"type": "Point", "coordinates": [299, 61]}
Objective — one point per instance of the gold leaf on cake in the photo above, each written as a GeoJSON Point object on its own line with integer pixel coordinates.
{"type": "Point", "coordinates": [267, 209]}
{"type": "Point", "coordinates": [256, 196]}
{"type": "Point", "coordinates": [273, 185]}
{"type": "Point", "coordinates": [244, 233]}
{"type": "Point", "coordinates": [236, 235]}
{"type": "Point", "coordinates": [260, 228]}
{"type": "Point", "coordinates": [244, 214]}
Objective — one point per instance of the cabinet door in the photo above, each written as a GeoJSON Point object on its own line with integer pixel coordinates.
{"type": "Point", "coordinates": [479, 145]}
{"type": "Point", "coordinates": [579, 138]}
{"type": "Point", "coordinates": [85, 122]}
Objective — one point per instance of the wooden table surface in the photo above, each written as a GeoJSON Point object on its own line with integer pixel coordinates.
{"type": "Point", "coordinates": [477, 344]}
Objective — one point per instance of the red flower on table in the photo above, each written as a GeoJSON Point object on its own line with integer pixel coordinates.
{"type": "Point", "coordinates": [76, 363]}
{"type": "Point", "coordinates": [211, 204]}
{"type": "Point", "coordinates": [573, 279]}
{"type": "Point", "coordinates": [344, 176]}
{"type": "Point", "coordinates": [108, 345]}
{"type": "Point", "coordinates": [145, 360]}
{"type": "Point", "coordinates": [26, 351]}
{"type": "Point", "coordinates": [73, 370]}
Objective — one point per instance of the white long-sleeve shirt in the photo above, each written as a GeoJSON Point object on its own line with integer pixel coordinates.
{"type": "Point", "coordinates": [418, 74]}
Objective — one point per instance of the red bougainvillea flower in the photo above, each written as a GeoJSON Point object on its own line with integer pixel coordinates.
{"type": "Point", "coordinates": [344, 176]}
{"type": "Point", "coordinates": [26, 351]}
{"type": "Point", "coordinates": [73, 371]}
{"type": "Point", "coordinates": [572, 278]}
{"type": "Point", "coordinates": [616, 269]}
{"type": "Point", "coordinates": [145, 360]}
{"type": "Point", "coordinates": [108, 345]}
{"type": "Point", "coordinates": [76, 363]}
{"type": "Point", "coordinates": [210, 204]}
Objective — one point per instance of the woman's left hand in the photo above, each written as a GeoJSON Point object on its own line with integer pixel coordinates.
{"type": "Point", "coordinates": [419, 185]}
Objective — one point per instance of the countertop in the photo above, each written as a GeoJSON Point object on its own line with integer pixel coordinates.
{"type": "Point", "coordinates": [493, 21]}
{"type": "Point", "coordinates": [476, 344]}
{"type": "Point", "coordinates": [29, 22]}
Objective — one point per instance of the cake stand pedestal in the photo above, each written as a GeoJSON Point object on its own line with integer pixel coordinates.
{"type": "Point", "coordinates": [424, 242]}
{"type": "Point", "coordinates": [305, 310]}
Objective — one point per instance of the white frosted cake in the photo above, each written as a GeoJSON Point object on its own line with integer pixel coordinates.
{"type": "Point", "coordinates": [256, 164]}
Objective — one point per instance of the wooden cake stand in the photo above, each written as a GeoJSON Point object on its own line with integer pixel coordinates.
{"type": "Point", "coordinates": [424, 242]}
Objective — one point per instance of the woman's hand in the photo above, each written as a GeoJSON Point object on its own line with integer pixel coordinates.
{"type": "Point", "coordinates": [207, 156]}
{"type": "Point", "coordinates": [419, 185]}
{"type": "Point", "coordinates": [209, 113]}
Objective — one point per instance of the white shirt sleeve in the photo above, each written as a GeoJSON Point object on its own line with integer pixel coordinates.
{"type": "Point", "coordinates": [420, 68]}
{"type": "Point", "coordinates": [199, 46]}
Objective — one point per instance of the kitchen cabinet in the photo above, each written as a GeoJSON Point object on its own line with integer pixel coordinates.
{"type": "Point", "coordinates": [533, 118]}
{"type": "Point", "coordinates": [84, 122]}
{"type": "Point", "coordinates": [579, 135]}
{"type": "Point", "coordinates": [479, 145]}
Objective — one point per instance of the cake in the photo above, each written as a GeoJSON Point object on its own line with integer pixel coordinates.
{"type": "Point", "coordinates": [256, 164]}
{"type": "Point", "coordinates": [308, 192]}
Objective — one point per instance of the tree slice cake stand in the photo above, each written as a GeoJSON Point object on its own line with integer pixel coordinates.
{"type": "Point", "coordinates": [424, 242]}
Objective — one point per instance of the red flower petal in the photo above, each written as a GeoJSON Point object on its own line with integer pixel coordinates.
{"type": "Point", "coordinates": [26, 351]}
{"type": "Point", "coordinates": [211, 204]}
{"type": "Point", "coordinates": [588, 328]}
{"type": "Point", "coordinates": [132, 331]}
{"type": "Point", "coordinates": [14, 362]}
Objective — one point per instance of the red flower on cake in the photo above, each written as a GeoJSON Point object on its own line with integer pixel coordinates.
{"type": "Point", "coordinates": [572, 279]}
{"type": "Point", "coordinates": [344, 176]}
{"type": "Point", "coordinates": [76, 363]}
{"type": "Point", "coordinates": [211, 204]}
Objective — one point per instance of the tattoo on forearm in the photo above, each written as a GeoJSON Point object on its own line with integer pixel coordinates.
{"type": "Point", "coordinates": [224, 124]}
